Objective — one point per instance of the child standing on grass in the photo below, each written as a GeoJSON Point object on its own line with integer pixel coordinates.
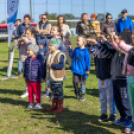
{"type": "Point", "coordinates": [55, 72]}
{"type": "Point", "coordinates": [103, 62]}
{"type": "Point", "coordinates": [80, 67]}
{"type": "Point", "coordinates": [33, 74]}
{"type": "Point", "coordinates": [55, 33]}
{"type": "Point", "coordinates": [22, 44]}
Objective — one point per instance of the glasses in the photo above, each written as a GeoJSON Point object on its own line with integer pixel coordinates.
{"type": "Point", "coordinates": [43, 18]}
{"type": "Point", "coordinates": [109, 18]}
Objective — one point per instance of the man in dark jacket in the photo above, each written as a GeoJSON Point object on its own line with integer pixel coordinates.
{"type": "Point", "coordinates": [84, 27]}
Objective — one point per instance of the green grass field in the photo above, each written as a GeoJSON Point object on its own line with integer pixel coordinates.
{"type": "Point", "coordinates": [77, 118]}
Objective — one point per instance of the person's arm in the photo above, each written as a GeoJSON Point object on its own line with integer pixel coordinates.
{"type": "Point", "coordinates": [47, 30]}
{"type": "Point", "coordinates": [60, 65]}
{"type": "Point", "coordinates": [16, 45]}
{"type": "Point", "coordinates": [87, 58]}
{"type": "Point", "coordinates": [41, 68]}
{"type": "Point", "coordinates": [44, 75]}
{"type": "Point", "coordinates": [125, 47]}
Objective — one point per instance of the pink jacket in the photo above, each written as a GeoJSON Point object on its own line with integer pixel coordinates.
{"type": "Point", "coordinates": [23, 47]}
{"type": "Point", "coordinates": [124, 48]}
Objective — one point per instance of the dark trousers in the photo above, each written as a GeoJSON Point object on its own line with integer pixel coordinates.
{"type": "Point", "coordinates": [76, 79]}
{"type": "Point", "coordinates": [122, 98]}
{"type": "Point", "coordinates": [57, 90]}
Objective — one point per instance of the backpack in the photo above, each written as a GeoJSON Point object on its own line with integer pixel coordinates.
{"type": "Point", "coordinates": [130, 59]}
{"type": "Point", "coordinates": [117, 65]}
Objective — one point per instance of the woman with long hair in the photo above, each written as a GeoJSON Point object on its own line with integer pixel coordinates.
{"type": "Point", "coordinates": [64, 28]}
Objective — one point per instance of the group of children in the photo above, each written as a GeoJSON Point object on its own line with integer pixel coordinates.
{"type": "Point", "coordinates": [109, 58]}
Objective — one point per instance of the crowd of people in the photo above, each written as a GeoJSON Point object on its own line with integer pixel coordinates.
{"type": "Point", "coordinates": [44, 50]}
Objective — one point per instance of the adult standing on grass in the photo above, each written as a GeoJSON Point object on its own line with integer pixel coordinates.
{"type": "Point", "coordinates": [64, 28]}
{"type": "Point", "coordinates": [42, 31]}
{"type": "Point", "coordinates": [20, 33]}
{"type": "Point", "coordinates": [124, 22]}
{"type": "Point", "coordinates": [108, 27]}
{"type": "Point", "coordinates": [84, 27]}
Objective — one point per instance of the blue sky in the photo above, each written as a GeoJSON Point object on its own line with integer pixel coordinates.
{"type": "Point", "coordinates": [39, 7]}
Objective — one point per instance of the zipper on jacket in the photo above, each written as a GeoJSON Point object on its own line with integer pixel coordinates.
{"type": "Point", "coordinates": [30, 68]}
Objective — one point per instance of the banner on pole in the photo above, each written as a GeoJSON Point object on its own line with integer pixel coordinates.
{"type": "Point", "coordinates": [12, 11]}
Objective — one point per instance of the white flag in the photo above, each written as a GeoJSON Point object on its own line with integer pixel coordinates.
{"type": "Point", "coordinates": [12, 11]}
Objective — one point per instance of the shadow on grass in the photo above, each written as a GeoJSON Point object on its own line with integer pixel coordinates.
{"type": "Point", "coordinates": [13, 102]}
{"type": "Point", "coordinates": [10, 91]}
{"type": "Point", "coordinates": [74, 122]}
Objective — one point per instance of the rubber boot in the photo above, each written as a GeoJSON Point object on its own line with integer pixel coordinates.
{"type": "Point", "coordinates": [54, 106]}
{"type": "Point", "coordinates": [59, 106]}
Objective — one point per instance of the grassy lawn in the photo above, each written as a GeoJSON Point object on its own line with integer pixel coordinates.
{"type": "Point", "coordinates": [77, 118]}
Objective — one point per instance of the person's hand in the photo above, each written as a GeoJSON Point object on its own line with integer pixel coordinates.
{"type": "Point", "coordinates": [92, 41]}
{"type": "Point", "coordinates": [21, 40]}
{"type": "Point", "coordinates": [103, 38]}
{"type": "Point", "coordinates": [50, 64]}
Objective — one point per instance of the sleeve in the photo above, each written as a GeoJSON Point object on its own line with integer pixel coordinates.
{"type": "Point", "coordinates": [44, 72]}
{"type": "Point", "coordinates": [60, 65]}
{"type": "Point", "coordinates": [24, 74]}
{"type": "Point", "coordinates": [70, 52]}
{"type": "Point", "coordinates": [125, 47]}
{"type": "Point", "coordinates": [116, 47]}
{"type": "Point", "coordinates": [47, 30]}
{"type": "Point", "coordinates": [41, 68]}
{"type": "Point", "coordinates": [131, 26]}
{"type": "Point", "coordinates": [87, 58]}
{"type": "Point", "coordinates": [16, 45]}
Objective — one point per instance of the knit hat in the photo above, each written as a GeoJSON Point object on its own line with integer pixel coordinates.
{"type": "Point", "coordinates": [55, 42]}
{"type": "Point", "coordinates": [93, 16]}
{"type": "Point", "coordinates": [33, 48]}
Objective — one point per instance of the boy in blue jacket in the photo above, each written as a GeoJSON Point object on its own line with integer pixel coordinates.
{"type": "Point", "coordinates": [80, 66]}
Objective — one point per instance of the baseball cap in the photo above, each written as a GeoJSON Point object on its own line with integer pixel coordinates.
{"type": "Point", "coordinates": [124, 11]}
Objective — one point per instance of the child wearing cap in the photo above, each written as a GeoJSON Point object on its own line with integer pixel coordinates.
{"type": "Point", "coordinates": [33, 74]}
{"type": "Point", "coordinates": [55, 72]}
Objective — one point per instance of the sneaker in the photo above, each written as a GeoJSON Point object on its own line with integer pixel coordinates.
{"type": "Point", "coordinates": [102, 118]}
{"type": "Point", "coordinates": [77, 97]}
{"type": "Point", "coordinates": [82, 99]}
{"type": "Point", "coordinates": [47, 94]}
{"type": "Point", "coordinates": [127, 123]}
{"type": "Point", "coordinates": [24, 95]}
{"type": "Point", "coordinates": [120, 121]}
{"type": "Point", "coordinates": [19, 73]}
{"type": "Point", "coordinates": [38, 106]}
{"type": "Point", "coordinates": [111, 118]}
{"type": "Point", "coordinates": [129, 130]}
{"type": "Point", "coordinates": [30, 106]}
